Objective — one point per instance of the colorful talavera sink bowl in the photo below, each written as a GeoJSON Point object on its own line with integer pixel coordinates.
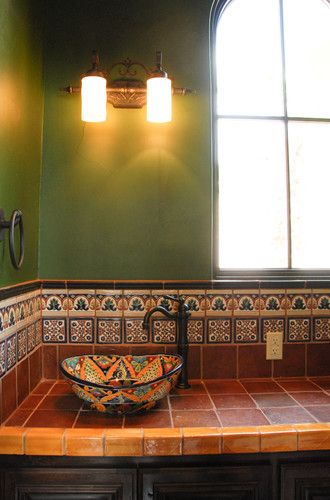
{"type": "Point", "coordinates": [122, 384]}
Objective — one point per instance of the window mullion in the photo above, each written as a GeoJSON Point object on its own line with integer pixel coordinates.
{"type": "Point", "coordinates": [286, 127]}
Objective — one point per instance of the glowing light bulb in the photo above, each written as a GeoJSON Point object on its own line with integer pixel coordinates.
{"type": "Point", "coordinates": [159, 100]}
{"type": "Point", "coordinates": [93, 99]}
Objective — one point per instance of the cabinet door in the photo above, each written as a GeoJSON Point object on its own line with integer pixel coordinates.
{"type": "Point", "coordinates": [68, 484]}
{"type": "Point", "coordinates": [222, 483]}
{"type": "Point", "coordinates": [308, 481]}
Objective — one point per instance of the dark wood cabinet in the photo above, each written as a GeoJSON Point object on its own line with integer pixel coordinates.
{"type": "Point", "coordinates": [225, 483]}
{"type": "Point", "coordinates": [264, 476]}
{"type": "Point", "coordinates": [68, 484]}
{"type": "Point", "coordinates": [308, 481]}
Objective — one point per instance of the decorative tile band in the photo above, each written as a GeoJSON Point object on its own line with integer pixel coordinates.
{"type": "Point", "coordinates": [74, 313]}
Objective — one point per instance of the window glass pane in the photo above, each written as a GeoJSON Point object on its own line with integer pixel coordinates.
{"type": "Point", "coordinates": [248, 59]}
{"type": "Point", "coordinates": [310, 181]}
{"type": "Point", "coordinates": [307, 48]}
{"type": "Point", "coordinates": [252, 194]}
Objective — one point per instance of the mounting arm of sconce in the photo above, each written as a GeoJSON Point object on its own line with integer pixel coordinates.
{"type": "Point", "coordinates": [126, 88]}
{"type": "Point", "coordinates": [16, 218]}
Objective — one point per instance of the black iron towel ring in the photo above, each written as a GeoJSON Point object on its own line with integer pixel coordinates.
{"type": "Point", "coordinates": [16, 218]}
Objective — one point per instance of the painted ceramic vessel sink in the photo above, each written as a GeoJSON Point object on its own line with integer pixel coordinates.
{"type": "Point", "coordinates": [122, 384]}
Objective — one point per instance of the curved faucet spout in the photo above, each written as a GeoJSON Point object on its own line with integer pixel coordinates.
{"type": "Point", "coordinates": [161, 309]}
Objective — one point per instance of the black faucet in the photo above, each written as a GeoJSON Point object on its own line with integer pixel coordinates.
{"type": "Point", "coordinates": [181, 317]}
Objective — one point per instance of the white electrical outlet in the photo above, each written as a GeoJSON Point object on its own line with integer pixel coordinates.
{"type": "Point", "coordinates": [274, 345]}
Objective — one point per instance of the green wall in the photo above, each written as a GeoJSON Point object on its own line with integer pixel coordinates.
{"type": "Point", "coordinates": [126, 199]}
{"type": "Point", "coordinates": [20, 128]}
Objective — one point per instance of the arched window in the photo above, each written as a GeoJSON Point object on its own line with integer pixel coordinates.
{"type": "Point", "coordinates": [271, 102]}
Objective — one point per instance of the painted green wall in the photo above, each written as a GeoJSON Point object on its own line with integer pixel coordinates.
{"type": "Point", "coordinates": [126, 199]}
{"type": "Point", "coordinates": [20, 129]}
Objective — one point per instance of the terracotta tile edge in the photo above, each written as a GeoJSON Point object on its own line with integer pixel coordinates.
{"type": "Point", "coordinates": [301, 431]}
{"type": "Point", "coordinates": [17, 446]}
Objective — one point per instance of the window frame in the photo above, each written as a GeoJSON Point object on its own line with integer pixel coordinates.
{"type": "Point", "coordinates": [271, 274]}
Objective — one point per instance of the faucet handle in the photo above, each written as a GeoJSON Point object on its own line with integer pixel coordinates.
{"type": "Point", "coordinates": [179, 299]}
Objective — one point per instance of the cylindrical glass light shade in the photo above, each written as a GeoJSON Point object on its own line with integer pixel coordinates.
{"type": "Point", "coordinates": [159, 100]}
{"type": "Point", "coordinates": [93, 99]}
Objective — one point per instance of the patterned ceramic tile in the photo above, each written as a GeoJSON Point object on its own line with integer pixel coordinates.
{"type": "Point", "coordinates": [219, 331]}
{"type": "Point", "coordinates": [246, 330]}
{"type": "Point", "coordinates": [196, 331]}
{"type": "Point", "coordinates": [22, 312]}
{"type": "Point", "coordinates": [11, 316]}
{"type": "Point", "coordinates": [272, 303]}
{"type": "Point", "coordinates": [11, 351]}
{"type": "Point", "coordinates": [81, 330]}
{"type": "Point", "coordinates": [54, 330]}
{"type": "Point", "coordinates": [158, 299]}
{"type": "Point", "coordinates": [196, 301]}
{"type": "Point", "coordinates": [2, 358]}
{"type": "Point", "coordinates": [299, 302]}
{"type": "Point", "coordinates": [109, 331]}
{"type": "Point", "coordinates": [246, 302]}
{"type": "Point", "coordinates": [321, 329]}
{"type": "Point", "coordinates": [81, 303]}
{"type": "Point", "coordinates": [21, 344]}
{"type": "Point", "coordinates": [272, 325]}
{"type": "Point", "coordinates": [1, 320]}
{"type": "Point", "coordinates": [54, 302]}
{"type": "Point", "coordinates": [134, 333]}
{"type": "Point", "coordinates": [38, 328]}
{"type": "Point", "coordinates": [299, 330]}
{"type": "Point", "coordinates": [10, 302]}
{"type": "Point", "coordinates": [108, 303]}
{"type": "Point", "coordinates": [31, 337]}
{"type": "Point", "coordinates": [219, 303]}
{"type": "Point", "coordinates": [321, 302]}
{"type": "Point", "coordinates": [163, 331]}
{"type": "Point", "coordinates": [136, 302]}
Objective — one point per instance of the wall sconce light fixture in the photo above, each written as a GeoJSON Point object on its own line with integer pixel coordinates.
{"type": "Point", "coordinates": [127, 89]}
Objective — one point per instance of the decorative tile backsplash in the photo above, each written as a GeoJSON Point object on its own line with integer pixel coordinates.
{"type": "Point", "coordinates": [103, 315]}
{"type": "Point", "coordinates": [20, 328]}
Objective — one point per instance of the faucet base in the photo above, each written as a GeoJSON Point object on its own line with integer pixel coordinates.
{"type": "Point", "coordinates": [183, 385]}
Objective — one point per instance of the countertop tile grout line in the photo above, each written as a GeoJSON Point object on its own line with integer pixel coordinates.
{"type": "Point", "coordinates": [301, 406]}
{"type": "Point", "coordinates": [213, 405]}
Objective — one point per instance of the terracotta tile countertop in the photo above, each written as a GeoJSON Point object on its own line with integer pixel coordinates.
{"type": "Point", "coordinates": [212, 417]}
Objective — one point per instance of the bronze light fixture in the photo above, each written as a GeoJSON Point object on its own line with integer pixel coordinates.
{"type": "Point", "coordinates": [130, 85]}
